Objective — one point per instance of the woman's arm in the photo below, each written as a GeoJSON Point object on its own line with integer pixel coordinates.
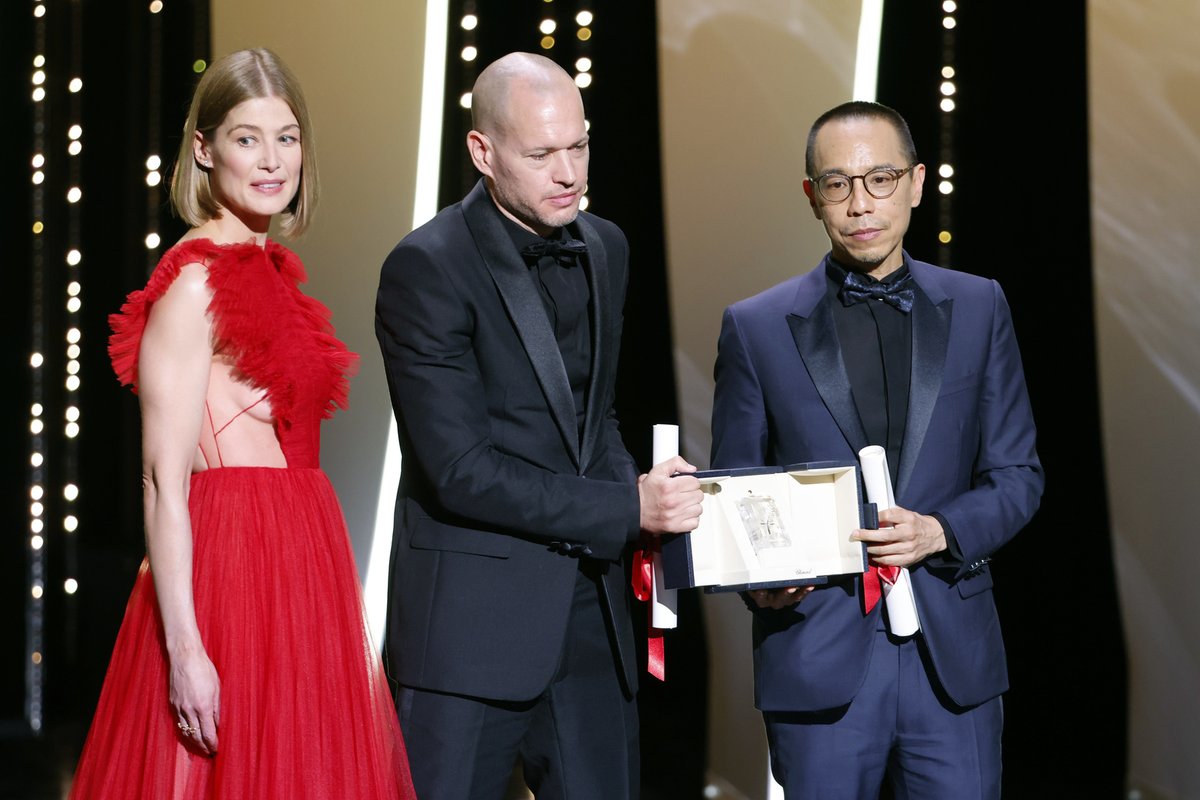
{"type": "Point", "coordinates": [173, 369]}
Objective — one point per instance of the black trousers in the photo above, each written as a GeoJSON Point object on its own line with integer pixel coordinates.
{"type": "Point", "coordinates": [578, 740]}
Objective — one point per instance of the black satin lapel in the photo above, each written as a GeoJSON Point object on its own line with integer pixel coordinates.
{"type": "Point", "coordinates": [816, 338]}
{"type": "Point", "coordinates": [603, 318]}
{"type": "Point", "coordinates": [931, 336]}
{"type": "Point", "coordinates": [525, 308]}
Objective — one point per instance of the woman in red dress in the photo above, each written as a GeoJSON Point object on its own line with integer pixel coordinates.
{"type": "Point", "coordinates": [243, 668]}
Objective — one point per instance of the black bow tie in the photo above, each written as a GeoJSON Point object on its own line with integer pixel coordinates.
{"type": "Point", "coordinates": [564, 251]}
{"type": "Point", "coordinates": [898, 295]}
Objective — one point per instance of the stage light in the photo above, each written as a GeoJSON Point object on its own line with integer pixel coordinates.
{"type": "Point", "coordinates": [947, 105]}
{"type": "Point", "coordinates": [153, 178]}
{"type": "Point", "coordinates": [39, 11]}
{"type": "Point", "coordinates": [74, 257]}
{"type": "Point", "coordinates": [74, 148]}
{"type": "Point", "coordinates": [36, 591]}
{"type": "Point", "coordinates": [71, 430]}
{"type": "Point", "coordinates": [73, 335]}
{"type": "Point", "coordinates": [548, 26]}
{"type": "Point", "coordinates": [73, 351]}
{"type": "Point", "coordinates": [36, 525]}
{"type": "Point", "coordinates": [38, 177]}
{"type": "Point", "coordinates": [36, 542]}
{"type": "Point", "coordinates": [470, 22]}
{"type": "Point", "coordinates": [199, 65]}
{"type": "Point", "coordinates": [470, 53]}
{"type": "Point", "coordinates": [153, 163]}
{"type": "Point", "coordinates": [947, 72]}
{"type": "Point", "coordinates": [39, 94]}
{"type": "Point", "coordinates": [465, 100]}
{"type": "Point", "coordinates": [70, 586]}
{"type": "Point", "coordinates": [583, 80]}
{"type": "Point", "coordinates": [35, 360]}
{"type": "Point", "coordinates": [152, 241]}
{"type": "Point", "coordinates": [945, 187]}
{"type": "Point", "coordinates": [72, 383]}
{"type": "Point", "coordinates": [39, 78]}
{"type": "Point", "coordinates": [949, 6]}
{"type": "Point", "coordinates": [35, 426]}
{"type": "Point", "coordinates": [583, 18]}
{"type": "Point", "coordinates": [36, 492]}
{"type": "Point", "coordinates": [948, 88]}
{"type": "Point", "coordinates": [156, 6]}
{"type": "Point", "coordinates": [71, 491]}
{"type": "Point", "coordinates": [948, 23]}
{"type": "Point", "coordinates": [73, 305]}
{"type": "Point", "coordinates": [35, 459]}
{"type": "Point", "coordinates": [70, 523]}
{"type": "Point", "coordinates": [583, 64]}
{"type": "Point", "coordinates": [547, 42]}
{"type": "Point", "coordinates": [74, 194]}
{"type": "Point", "coordinates": [946, 171]}
{"type": "Point", "coordinates": [39, 61]}
{"type": "Point", "coordinates": [75, 131]}
{"type": "Point", "coordinates": [584, 34]}
{"type": "Point", "coordinates": [75, 85]}
{"type": "Point", "coordinates": [38, 160]}
{"type": "Point", "coordinates": [584, 203]}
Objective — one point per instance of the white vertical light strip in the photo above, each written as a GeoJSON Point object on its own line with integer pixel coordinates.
{"type": "Point", "coordinates": [429, 153]}
{"type": "Point", "coordinates": [866, 63]}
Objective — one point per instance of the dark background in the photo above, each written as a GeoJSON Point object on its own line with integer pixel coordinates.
{"type": "Point", "coordinates": [1065, 715]}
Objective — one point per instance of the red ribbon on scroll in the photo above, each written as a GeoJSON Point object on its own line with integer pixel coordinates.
{"type": "Point", "coordinates": [643, 589]}
{"type": "Point", "coordinates": [873, 586]}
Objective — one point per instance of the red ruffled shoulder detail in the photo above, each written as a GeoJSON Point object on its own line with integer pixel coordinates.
{"type": "Point", "coordinates": [277, 337]}
{"type": "Point", "coordinates": [129, 323]}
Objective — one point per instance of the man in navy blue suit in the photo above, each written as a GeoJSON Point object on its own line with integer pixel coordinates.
{"type": "Point", "coordinates": [875, 348]}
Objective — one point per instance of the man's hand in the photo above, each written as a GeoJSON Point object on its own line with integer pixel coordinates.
{"type": "Point", "coordinates": [670, 504]}
{"type": "Point", "coordinates": [779, 598]}
{"type": "Point", "coordinates": [911, 538]}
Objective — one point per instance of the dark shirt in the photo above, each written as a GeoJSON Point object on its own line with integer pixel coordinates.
{"type": "Point", "coordinates": [566, 297]}
{"type": "Point", "coordinates": [876, 343]}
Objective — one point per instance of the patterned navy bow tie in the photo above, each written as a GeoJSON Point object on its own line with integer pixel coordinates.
{"type": "Point", "coordinates": [898, 295]}
{"type": "Point", "coordinates": [565, 251]}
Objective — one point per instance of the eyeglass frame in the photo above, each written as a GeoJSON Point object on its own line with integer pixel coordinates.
{"type": "Point", "coordinates": [896, 174]}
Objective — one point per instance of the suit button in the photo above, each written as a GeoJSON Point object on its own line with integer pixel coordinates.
{"type": "Point", "coordinates": [587, 551]}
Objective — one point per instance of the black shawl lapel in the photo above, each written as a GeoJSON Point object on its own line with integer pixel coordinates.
{"type": "Point", "coordinates": [811, 321]}
{"type": "Point", "coordinates": [930, 338]}
{"type": "Point", "coordinates": [525, 309]}
{"type": "Point", "coordinates": [602, 323]}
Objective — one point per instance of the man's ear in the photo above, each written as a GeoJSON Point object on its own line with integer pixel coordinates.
{"type": "Point", "coordinates": [810, 193]}
{"type": "Point", "coordinates": [479, 146]}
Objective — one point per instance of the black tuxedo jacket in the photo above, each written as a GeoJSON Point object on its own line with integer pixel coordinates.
{"type": "Point", "coordinates": [499, 495]}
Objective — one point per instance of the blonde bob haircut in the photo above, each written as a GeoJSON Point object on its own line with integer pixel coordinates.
{"type": "Point", "coordinates": [229, 81]}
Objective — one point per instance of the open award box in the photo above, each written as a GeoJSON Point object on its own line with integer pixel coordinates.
{"type": "Point", "coordinates": [764, 527]}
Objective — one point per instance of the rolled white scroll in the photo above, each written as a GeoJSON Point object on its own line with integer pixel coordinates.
{"type": "Point", "coordinates": [901, 605]}
{"type": "Point", "coordinates": [664, 602]}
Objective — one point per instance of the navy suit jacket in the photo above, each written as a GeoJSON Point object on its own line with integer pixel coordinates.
{"type": "Point", "coordinates": [499, 493]}
{"type": "Point", "coordinates": [783, 397]}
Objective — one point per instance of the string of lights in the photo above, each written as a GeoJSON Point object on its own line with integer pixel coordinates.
{"type": "Point", "coordinates": [35, 616]}
{"type": "Point", "coordinates": [948, 90]}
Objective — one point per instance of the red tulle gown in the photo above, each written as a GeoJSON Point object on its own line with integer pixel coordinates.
{"type": "Point", "coordinates": [305, 709]}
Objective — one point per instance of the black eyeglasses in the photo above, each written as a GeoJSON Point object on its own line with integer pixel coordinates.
{"type": "Point", "coordinates": [834, 187]}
